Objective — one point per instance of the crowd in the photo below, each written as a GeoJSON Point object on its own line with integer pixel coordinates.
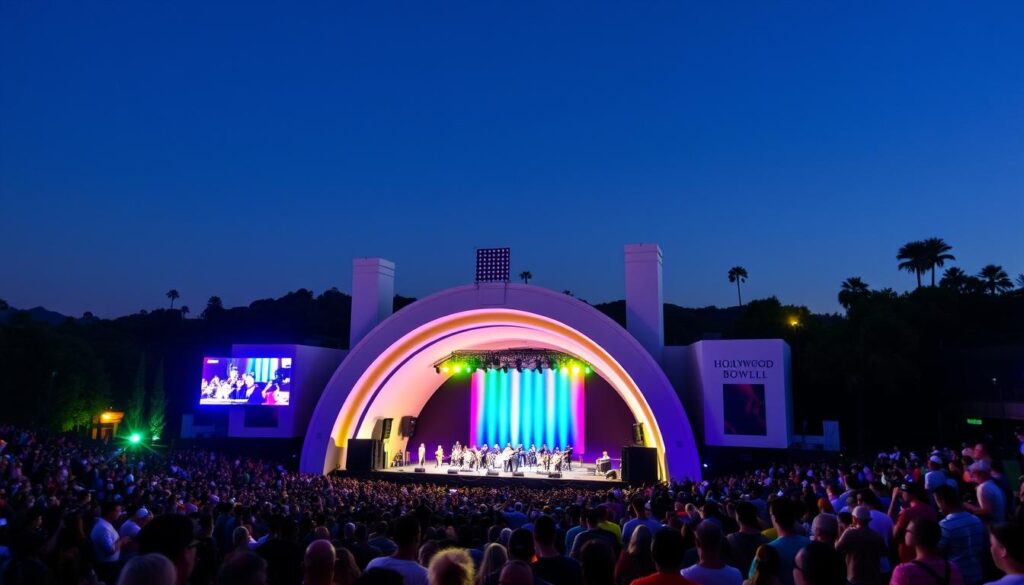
{"type": "Point", "coordinates": [79, 512]}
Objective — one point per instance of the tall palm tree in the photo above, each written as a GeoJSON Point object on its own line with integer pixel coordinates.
{"type": "Point", "coordinates": [914, 256]}
{"type": "Point", "coordinates": [936, 254]}
{"type": "Point", "coordinates": [173, 295]}
{"type": "Point", "coordinates": [738, 274]}
{"type": "Point", "coordinates": [853, 288]}
{"type": "Point", "coordinates": [526, 275]}
{"type": "Point", "coordinates": [994, 279]}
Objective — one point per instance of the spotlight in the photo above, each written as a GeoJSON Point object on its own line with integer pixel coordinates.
{"type": "Point", "coordinates": [586, 369]}
{"type": "Point", "coordinates": [575, 369]}
{"type": "Point", "coordinates": [565, 370]}
{"type": "Point", "coordinates": [135, 438]}
{"type": "Point", "coordinates": [444, 369]}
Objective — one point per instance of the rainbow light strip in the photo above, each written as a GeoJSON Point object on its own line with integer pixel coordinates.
{"type": "Point", "coordinates": [528, 407]}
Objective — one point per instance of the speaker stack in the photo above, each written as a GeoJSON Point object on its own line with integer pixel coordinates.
{"type": "Point", "coordinates": [492, 472]}
{"type": "Point", "coordinates": [407, 427]}
{"type": "Point", "coordinates": [453, 471]}
{"type": "Point", "coordinates": [364, 455]}
{"type": "Point", "coordinates": [420, 470]}
{"type": "Point", "coordinates": [555, 475]}
{"type": "Point", "coordinates": [518, 474]}
{"type": "Point", "coordinates": [639, 465]}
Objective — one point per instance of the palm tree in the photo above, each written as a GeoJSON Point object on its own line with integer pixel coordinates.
{"type": "Point", "coordinates": [936, 254]}
{"type": "Point", "coordinates": [956, 279]}
{"type": "Point", "coordinates": [526, 275]}
{"type": "Point", "coordinates": [213, 306]}
{"type": "Point", "coordinates": [173, 295]}
{"type": "Point", "coordinates": [738, 274]}
{"type": "Point", "coordinates": [184, 310]}
{"type": "Point", "coordinates": [914, 256]}
{"type": "Point", "coordinates": [994, 279]}
{"type": "Point", "coordinates": [1020, 280]}
{"type": "Point", "coordinates": [851, 290]}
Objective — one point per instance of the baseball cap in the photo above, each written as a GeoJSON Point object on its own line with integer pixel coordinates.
{"type": "Point", "coordinates": [980, 465]}
{"type": "Point", "coordinates": [935, 459]}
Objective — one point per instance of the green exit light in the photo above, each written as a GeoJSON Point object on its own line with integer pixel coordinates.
{"type": "Point", "coordinates": [974, 421]}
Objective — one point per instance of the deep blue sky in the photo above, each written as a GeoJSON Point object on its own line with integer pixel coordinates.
{"type": "Point", "coordinates": [247, 149]}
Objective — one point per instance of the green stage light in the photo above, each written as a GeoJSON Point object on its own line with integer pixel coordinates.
{"type": "Point", "coordinates": [135, 438]}
{"type": "Point", "coordinates": [586, 369]}
{"type": "Point", "coordinates": [575, 369]}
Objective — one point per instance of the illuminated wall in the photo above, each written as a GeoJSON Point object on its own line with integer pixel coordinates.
{"type": "Point", "coordinates": [528, 407]}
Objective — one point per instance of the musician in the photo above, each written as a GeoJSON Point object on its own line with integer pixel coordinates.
{"type": "Point", "coordinates": [531, 456]}
{"type": "Point", "coordinates": [495, 453]}
{"type": "Point", "coordinates": [422, 453]}
{"type": "Point", "coordinates": [604, 462]}
{"type": "Point", "coordinates": [508, 457]}
{"type": "Point", "coordinates": [456, 456]}
{"type": "Point", "coordinates": [440, 455]}
{"type": "Point", "coordinates": [556, 456]}
{"type": "Point", "coordinates": [520, 456]}
{"type": "Point", "coordinates": [545, 456]}
{"type": "Point", "coordinates": [567, 454]}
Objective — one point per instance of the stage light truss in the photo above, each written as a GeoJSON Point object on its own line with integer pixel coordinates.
{"type": "Point", "coordinates": [510, 359]}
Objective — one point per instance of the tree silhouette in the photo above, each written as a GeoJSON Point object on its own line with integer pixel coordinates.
{"type": "Point", "coordinates": [914, 256]}
{"type": "Point", "coordinates": [3, 305]}
{"type": "Point", "coordinates": [137, 400]}
{"type": "Point", "coordinates": [158, 404]}
{"type": "Point", "coordinates": [213, 307]}
{"type": "Point", "coordinates": [185, 310]}
{"type": "Point", "coordinates": [958, 280]}
{"type": "Point", "coordinates": [851, 290]}
{"type": "Point", "coordinates": [994, 279]}
{"type": "Point", "coordinates": [936, 252]}
{"type": "Point", "coordinates": [173, 295]}
{"type": "Point", "coordinates": [1020, 280]}
{"type": "Point", "coordinates": [738, 274]}
{"type": "Point", "coordinates": [526, 275]}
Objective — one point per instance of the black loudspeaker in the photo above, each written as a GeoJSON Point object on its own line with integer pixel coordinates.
{"type": "Point", "coordinates": [364, 455]}
{"type": "Point", "coordinates": [638, 433]}
{"type": "Point", "coordinates": [518, 474]}
{"type": "Point", "coordinates": [639, 465]}
{"type": "Point", "coordinates": [611, 474]}
{"type": "Point", "coordinates": [555, 475]}
{"type": "Point", "coordinates": [453, 471]}
{"type": "Point", "coordinates": [420, 470]}
{"type": "Point", "coordinates": [385, 428]}
{"type": "Point", "coordinates": [493, 472]}
{"type": "Point", "coordinates": [407, 427]}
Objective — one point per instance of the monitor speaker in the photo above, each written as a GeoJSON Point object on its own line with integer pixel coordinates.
{"type": "Point", "coordinates": [385, 428]}
{"type": "Point", "coordinates": [611, 474]}
{"type": "Point", "coordinates": [364, 455]}
{"type": "Point", "coordinates": [638, 433]}
{"type": "Point", "coordinates": [555, 475]}
{"type": "Point", "coordinates": [407, 427]}
{"type": "Point", "coordinates": [420, 470]}
{"type": "Point", "coordinates": [640, 465]}
{"type": "Point", "coordinates": [518, 474]}
{"type": "Point", "coordinates": [493, 472]}
{"type": "Point", "coordinates": [453, 471]}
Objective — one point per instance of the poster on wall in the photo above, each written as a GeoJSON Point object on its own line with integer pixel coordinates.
{"type": "Point", "coordinates": [256, 381]}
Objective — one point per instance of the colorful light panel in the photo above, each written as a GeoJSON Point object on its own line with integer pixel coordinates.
{"type": "Point", "coordinates": [528, 407]}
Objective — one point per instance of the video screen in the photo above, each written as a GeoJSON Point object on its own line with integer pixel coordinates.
{"type": "Point", "coordinates": [261, 381]}
{"type": "Point", "coordinates": [745, 409]}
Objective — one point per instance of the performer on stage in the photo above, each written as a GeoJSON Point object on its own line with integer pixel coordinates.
{"type": "Point", "coordinates": [508, 458]}
{"type": "Point", "coordinates": [556, 457]}
{"type": "Point", "coordinates": [495, 454]}
{"type": "Point", "coordinates": [603, 463]}
{"type": "Point", "coordinates": [520, 456]}
{"type": "Point", "coordinates": [531, 456]}
{"type": "Point", "coordinates": [422, 453]}
{"type": "Point", "coordinates": [567, 454]}
{"type": "Point", "coordinates": [545, 456]}
{"type": "Point", "coordinates": [440, 455]}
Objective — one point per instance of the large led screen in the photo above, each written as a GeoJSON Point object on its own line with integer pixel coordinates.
{"type": "Point", "coordinates": [258, 381]}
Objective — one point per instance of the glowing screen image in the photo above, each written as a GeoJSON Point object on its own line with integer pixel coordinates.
{"type": "Point", "coordinates": [744, 409]}
{"type": "Point", "coordinates": [528, 407]}
{"type": "Point", "coordinates": [261, 381]}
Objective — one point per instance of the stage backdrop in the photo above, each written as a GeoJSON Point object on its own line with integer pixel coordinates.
{"type": "Point", "coordinates": [449, 416]}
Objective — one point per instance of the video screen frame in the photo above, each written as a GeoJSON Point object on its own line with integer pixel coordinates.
{"type": "Point", "coordinates": [246, 381]}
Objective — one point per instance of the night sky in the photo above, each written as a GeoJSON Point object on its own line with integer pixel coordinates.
{"type": "Point", "coordinates": [248, 149]}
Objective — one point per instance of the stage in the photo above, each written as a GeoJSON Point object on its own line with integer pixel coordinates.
{"type": "Point", "coordinates": [582, 477]}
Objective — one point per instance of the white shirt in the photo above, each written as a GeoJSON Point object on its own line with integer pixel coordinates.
{"type": "Point", "coordinates": [412, 572]}
{"type": "Point", "coordinates": [104, 539]}
{"type": "Point", "coordinates": [130, 528]}
{"type": "Point", "coordinates": [725, 576]}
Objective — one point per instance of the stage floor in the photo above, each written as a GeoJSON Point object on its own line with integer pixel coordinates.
{"type": "Point", "coordinates": [581, 476]}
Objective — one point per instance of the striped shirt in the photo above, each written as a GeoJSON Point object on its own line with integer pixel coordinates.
{"type": "Point", "coordinates": [963, 538]}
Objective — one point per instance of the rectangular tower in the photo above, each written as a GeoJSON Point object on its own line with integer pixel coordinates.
{"type": "Point", "coordinates": [644, 304]}
{"type": "Point", "coordinates": [373, 295]}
